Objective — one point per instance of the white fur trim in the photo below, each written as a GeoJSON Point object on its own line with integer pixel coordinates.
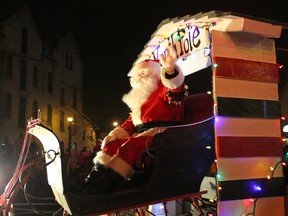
{"type": "Point", "coordinates": [102, 158]}
{"type": "Point", "coordinates": [144, 82]}
{"type": "Point", "coordinates": [147, 67]}
{"type": "Point", "coordinates": [174, 82]}
{"type": "Point", "coordinates": [120, 166]}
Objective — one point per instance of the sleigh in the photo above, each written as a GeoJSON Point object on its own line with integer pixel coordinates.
{"type": "Point", "coordinates": [180, 159]}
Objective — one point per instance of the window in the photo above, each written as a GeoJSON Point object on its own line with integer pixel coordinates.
{"type": "Point", "coordinates": [50, 82]}
{"type": "Point", "coordinates": [34, 109]}
{"type": "Point", "coordinates": [62, 121]}
{"type": "Point", "coordinates": [49, 115]}
{"type": "Point", "coordinates": [22, 112]}
{"type": "Point", "coordinates": [23, 75]}
{"type": "Point", "coordinates": [91, 136]}
{"type": "Point", "coordinates": [67, 60]}
{"type": "Point", "coordinates": [84, 134]}
{"type": "Point", "coordinates": [74, 103]}
{"type": "Point", "coordinates": [7, 106]}
{"type": "Point", "coordinates": [62, 96]}
{"type": "Point", "coordinates": [71, 63]}
{"type": "Point", "coordinates": [35, 77]}
{"type": "Point", "coordinates": [9, 69]}
{"type": "Point", "coordinates": [48, 47]}
{"type": "Point", "coordinates": [24, 41]}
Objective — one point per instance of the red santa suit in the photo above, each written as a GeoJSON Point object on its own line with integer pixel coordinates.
{"type": "Point", "coordinates": [159, 106]}
{"type": "Point", "coordinates": [155, 102]}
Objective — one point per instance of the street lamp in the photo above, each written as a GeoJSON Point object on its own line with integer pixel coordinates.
{"type": "Point", "coordinates": [70, 120]}
{"type": "Point", "coordinates": [115, 124]}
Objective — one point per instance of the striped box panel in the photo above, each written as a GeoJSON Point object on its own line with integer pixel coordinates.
{"type": "Point", "coordinates": [243, 46]}
{"type": "Point", "coordinates": [239, 107]}
{"type": "Point", "coordinates": [265, 207]}
{"type": "Point", "coordinates": [261, 28]}
{"type": "Point", "coordinates": [241, 24]}
{"type": "Point", "coordinates": [251, 188]}
{"type": "Point", "coordinates": [246, 70]}
{"type": "Point", "coordinates": [247, 168]}
{"type": "Point", "coordinates": [247, 128]}
{"type": "Point", "coordinates": [239, 146]}
{"type": "Point", "coordinates": [225, 87]}
{"type": "Point", "coordinates": [230, 146]}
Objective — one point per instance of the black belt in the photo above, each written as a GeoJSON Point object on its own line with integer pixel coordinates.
{"type": "Point", "coordinates": [146, 126]}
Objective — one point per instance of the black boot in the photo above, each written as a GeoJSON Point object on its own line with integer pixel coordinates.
{"type": "Point", "coordinates": [112, 181]}
{"type": "Point", "coordinates": [96, 175]}
{"type": "Point", "coordinates": [97, 171]}
{"type": "Point", "coordinates": [101, 180]}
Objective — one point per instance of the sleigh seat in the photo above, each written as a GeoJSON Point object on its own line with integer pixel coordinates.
{"type": "Point", "coordinates": [182, 155]}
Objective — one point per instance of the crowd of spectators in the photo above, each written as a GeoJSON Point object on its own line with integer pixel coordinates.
{"type": "Point", "coordinates": [77, 164]}
{"type": "Point", "coordinates": [8, 162]}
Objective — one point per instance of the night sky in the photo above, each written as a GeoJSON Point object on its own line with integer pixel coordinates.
{"type": "Point", "coordinates": [111, 34]}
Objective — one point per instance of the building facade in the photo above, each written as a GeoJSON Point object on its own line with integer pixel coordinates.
{"type": "Point", "coordinates": [40, 78]}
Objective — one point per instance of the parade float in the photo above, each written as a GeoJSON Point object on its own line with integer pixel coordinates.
{"type": "Point", "coordinates": [236, 126]}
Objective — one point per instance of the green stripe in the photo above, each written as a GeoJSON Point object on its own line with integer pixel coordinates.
{"type": "Point", "coordinates": [239, 107]}
{"type": "Point", "coordinates": [245, 189]}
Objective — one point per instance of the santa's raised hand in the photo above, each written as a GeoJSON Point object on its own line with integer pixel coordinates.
{"type": "Point", "coordinates": [168, 59]}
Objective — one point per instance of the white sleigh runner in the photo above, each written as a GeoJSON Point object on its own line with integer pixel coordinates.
{"type": "Point", "coordinates": [182, 157]}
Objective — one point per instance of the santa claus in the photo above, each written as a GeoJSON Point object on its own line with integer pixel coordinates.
{"type": "Point", "coordinates": [155, 102]}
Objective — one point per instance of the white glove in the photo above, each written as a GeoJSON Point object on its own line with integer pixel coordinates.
{"type": "Point", "coordinates": [109, 138]}
{"type": "Point", "coordinates": [168, 60]}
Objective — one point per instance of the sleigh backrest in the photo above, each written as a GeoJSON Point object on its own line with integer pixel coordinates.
{"type": "Point", "coordinates": [197, 107]}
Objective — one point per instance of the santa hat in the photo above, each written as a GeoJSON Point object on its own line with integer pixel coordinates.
{"type": "Point", "coordinates": [150, 65]}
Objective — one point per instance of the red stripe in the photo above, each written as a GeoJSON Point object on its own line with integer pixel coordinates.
{"type": "Point", "coordinates": [249, 146]}
{"type": "Point", "coordinates": [246, 70]}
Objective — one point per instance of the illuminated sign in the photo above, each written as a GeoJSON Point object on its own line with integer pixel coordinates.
{"type": "Point", "coordinates": [185, 41]}
{"type": "Point", "coordinates": [192, 45]}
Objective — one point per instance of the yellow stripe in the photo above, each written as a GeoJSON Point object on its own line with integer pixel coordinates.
{"type": "Point", "coordinates": [264, 207]}
{"type": "Point", "coordinates": [248, 168]}
{"type": "Point", "coordinates": [245, 89]}
{"type": "Point", "coordinates": [227, 126]}
{"type": "Point", "coordinates": [243, 46]}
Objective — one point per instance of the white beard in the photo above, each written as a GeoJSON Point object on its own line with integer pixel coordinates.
{"type": "Point", "coordinates": [142, 88]}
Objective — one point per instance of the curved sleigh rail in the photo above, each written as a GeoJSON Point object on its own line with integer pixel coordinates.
{"type": "Point", "coordinates": [183, 156]}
